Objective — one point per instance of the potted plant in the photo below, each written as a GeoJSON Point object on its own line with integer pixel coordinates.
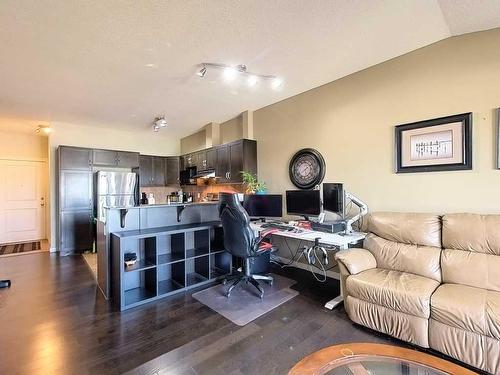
{"type": "Point", "coordinates": [253, 186]}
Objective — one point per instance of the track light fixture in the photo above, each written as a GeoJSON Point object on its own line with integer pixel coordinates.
{"type": "Point", "coordinates": [43, 129]}
{"type": "Point", "coordinates": [231, 73]}
{"type": "Point", "coordinates": [158, 123]}
{"type": "Point", "coordinates": [202, 71]}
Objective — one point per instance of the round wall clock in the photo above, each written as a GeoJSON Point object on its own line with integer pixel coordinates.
{"type": "Point", "coordinates": [307, 168]}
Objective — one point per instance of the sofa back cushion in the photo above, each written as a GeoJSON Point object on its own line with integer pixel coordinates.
{"type": "Point", "coordinates": [406, 242]}
{"type": "Point", "coordinates": [471, 254]}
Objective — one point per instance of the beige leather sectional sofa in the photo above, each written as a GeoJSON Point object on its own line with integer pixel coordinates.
{"type": "Point", "coordinates": [431, 280]}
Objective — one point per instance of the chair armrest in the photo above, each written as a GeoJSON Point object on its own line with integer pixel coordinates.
{"type": "Point", "coordinates": [356, 260]}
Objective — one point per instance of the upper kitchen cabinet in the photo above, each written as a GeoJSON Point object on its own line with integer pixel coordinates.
{"type": "Point", "coordinates": [158, 171]}
{"type": "Point", "coordinates": [127, 159]}
{"type": "Point", "coordinates": [201, 160]}
{"type": "Point", "coordinates": [223, 165]}
{"type": "Point", "coordinates": [190, 160]}
{"type": "Point", "coordinates": [115, 158]}
{"type": "Point", "coordinates": [211, 158]}
{"type": "Point", "coordinates": [76, 158]}
{"type": "Point", "coordinates": [172, 170]}
{"type": "Point", "coordinates": [234, 157]}
{"type": "Point", "coordinates": [151, 171]}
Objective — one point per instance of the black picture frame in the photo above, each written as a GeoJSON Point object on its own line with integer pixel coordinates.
{"type": "Point", "coordinates": [498, 137]}
{"type": "Point", "coordinates": [466, 164]}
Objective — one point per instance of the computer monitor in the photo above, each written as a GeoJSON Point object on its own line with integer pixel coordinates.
{"type": "Point", "coordinates": [333, 198]}
{"type": "Point", "coordinates": [303, 203]}
{"type": "Point", "coordinates": [263, 205]}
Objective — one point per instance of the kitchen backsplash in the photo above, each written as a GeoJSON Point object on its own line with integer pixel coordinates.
{"type": "Point", "coordinates": [199, 191]}
{"type": "Point", "coordinates": [160, 193]}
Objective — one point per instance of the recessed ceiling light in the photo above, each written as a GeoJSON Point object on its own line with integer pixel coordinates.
{"type": "Point", "coordinates": [252, 80]}
{"type": "Point", "coordinates": [152, 65]}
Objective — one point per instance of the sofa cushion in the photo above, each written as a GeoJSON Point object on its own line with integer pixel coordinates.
{"type": "Point", "coordinates": [356, 260]}
{"type": "Point", "coordinates": [468, 308]}
{"type": "Point", "coordinates": [472, 250]}
{"type": "Point", "coordinates": [399, 291]}
{"type": "Point", "coordinates": [397, 256]}
{"type": "Point", "coordinates": [472, 232]}
{"type": "Point", "coordinates": [409, 228]}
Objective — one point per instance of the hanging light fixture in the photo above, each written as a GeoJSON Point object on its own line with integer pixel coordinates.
{"type": "Point", "coordinates": [159, 122]}
{"type": "Point", "coordinates": [43, 129]}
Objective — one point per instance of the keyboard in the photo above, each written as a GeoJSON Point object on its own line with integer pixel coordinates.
{"type": "Point", "coordinates": [277, 226]}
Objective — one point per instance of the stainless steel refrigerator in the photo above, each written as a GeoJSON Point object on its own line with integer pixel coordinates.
{"type": "Point", "coordinates": [115, 189]}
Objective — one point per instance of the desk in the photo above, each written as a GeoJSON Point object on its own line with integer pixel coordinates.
{"type": "Point", "coordinates": [330, 239]}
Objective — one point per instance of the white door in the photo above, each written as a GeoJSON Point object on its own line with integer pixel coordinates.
{"type": "Point", "coordinates": [22, 200]}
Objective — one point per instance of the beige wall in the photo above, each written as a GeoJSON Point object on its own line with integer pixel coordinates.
{"type": "Point", "coordinates": [194, 142]}
{"type": "Point", "coordinates": [145, 142]}
{"type": "Point", "coordinates": [231, 130]}
{"type": "Point", "coordinates": [351, 122]}
{"type": "Point", "coordinates": [23, 146]}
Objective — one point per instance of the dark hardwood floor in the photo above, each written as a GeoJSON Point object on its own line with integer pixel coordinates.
{"type": "Point", "coordinates": [54, 320]}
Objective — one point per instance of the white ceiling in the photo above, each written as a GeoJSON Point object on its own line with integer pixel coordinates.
{"type": "Point", "coordinates": [118, 63]}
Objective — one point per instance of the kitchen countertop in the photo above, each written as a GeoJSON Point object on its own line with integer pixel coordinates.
{"type": "Point", "coordinates": [164, 205]}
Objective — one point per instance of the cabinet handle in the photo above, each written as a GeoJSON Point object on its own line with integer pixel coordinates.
{"type": "Point", "coordinates": [229, 174]}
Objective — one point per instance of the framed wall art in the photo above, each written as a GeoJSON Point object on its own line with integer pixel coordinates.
{"type": "Point", "coordinates": [498, 138]}
{"type": "Point", "coordinates": [442, 144]}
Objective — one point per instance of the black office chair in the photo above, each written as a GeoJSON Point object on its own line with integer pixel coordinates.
{"type": "Point", "coordinates": [5, 283]}
{"type": "Point", "coordinates": [240, 240]}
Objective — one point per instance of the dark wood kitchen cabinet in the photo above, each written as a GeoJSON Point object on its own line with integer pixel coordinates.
{"type": "Point", "coordinates": [158, 171]}
{"type": "Point", "coordinates": [126, 159]}
{"type": "Point", "coordinates": [75, 200]}
{"type": "Point", "coordinates": [151, 171]}
{"type": "Point", "coordinates": [77, 233]}
{"type": "Point", "coordinates": [201, 160]}
{"type": "Point", "coordinates": [190, 160]}
{"type": "Point", "coordinates": [234, 157]}
{"type": "Point", "coordinates": [172, 170]}
{"type": "Point", "coordinates": [211, 158]}
{"type": "Point", "coordinates": [111, 158]}
{"type": "Point", "coordinates": [223, 165]}
{"type": "Point", "coordinates": [76, 158]}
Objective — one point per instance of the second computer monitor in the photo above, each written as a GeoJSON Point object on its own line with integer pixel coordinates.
{"type": "Point", "coordinates": [264, 205]}
{"type": "Point", "coordinates": [303, 202]}
{"type": "Point", "coordinates": [333, 198]}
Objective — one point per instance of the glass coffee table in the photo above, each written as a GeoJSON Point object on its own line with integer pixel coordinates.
{"type": "Point", "coordinates": [374, 359]}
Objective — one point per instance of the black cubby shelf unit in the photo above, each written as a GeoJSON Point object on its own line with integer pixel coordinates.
{"type": "Point", "coordinates": [169, 260]}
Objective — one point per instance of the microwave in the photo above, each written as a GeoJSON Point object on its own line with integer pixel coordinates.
{"type": "Point", "coordinates": [187, 176]}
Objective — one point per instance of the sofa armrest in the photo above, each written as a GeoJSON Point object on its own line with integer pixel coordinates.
{"type": "Point", "coordinates": [356, 260]}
